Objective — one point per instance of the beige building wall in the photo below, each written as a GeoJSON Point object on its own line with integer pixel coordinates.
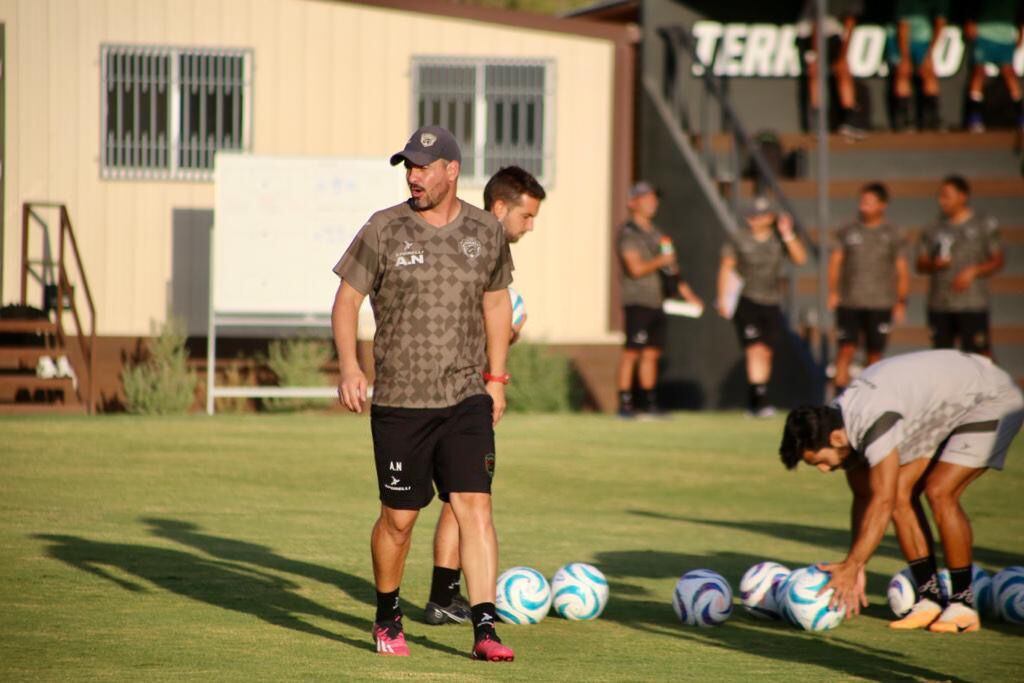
{"type": "Point", "coordinates": [329, 79]}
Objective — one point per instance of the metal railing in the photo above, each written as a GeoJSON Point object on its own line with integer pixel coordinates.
{"type": "Point", "coordinates": [55, 274]}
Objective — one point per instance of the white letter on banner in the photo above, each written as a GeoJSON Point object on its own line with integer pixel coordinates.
{"type": "Point", "coordinates": [761, 40]}
{"type": "Point", "coordinates": [706, 33]}
{"type": "Point", "coordinates": [867, 48]}
{"type": "Point", "coordinates": [731, 52]}
{"type": "Point", "coordinates": [948, 52]}
{"type": "Point", "coordinates": [787, 56]}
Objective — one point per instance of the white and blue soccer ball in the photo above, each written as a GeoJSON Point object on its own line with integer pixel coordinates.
{"type": "Point", "coordinates": [902, 592]}
{"type": "Point", "coordinates": [757, 589]}
{"type": "Point", "coordinates": [523, 596]}
{"type": "Point", "coordinates": [945, 583]}
{"type": "Point", "coordinates": [1008, 594]}
{"type": "Point", "coordinates": [518, 306]}
{"type": "Point", "coordinates": [779, 594]}
{"type": "Point", "coordinates": [702, 598]}
{"type": "Point", "coordinates": [805, 607]}
{"type": "Point", "coordinates": [580, 591]}
{"type": "Point", "coordinates": [981, 586]}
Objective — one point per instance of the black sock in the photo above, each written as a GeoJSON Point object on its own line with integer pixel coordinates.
{"type": "Point", "coordinates": [758, 392]}
{"type": "Point", "coordinates": [960, 590]}
{"type": "Point", "coordinates": [626, 400]}
{"type": "Point", "coordinates": [484, 616]}
{"type": "Point", "coordinates": [901, 113]}
{"type": "Point", "coordinates": [973, 109]}
{"type": "Point", "coordinates": [387, 606]}
{"type": "Point", "coordinates": [926, 577]}
{"type": "Point", "coordinates": [846, 116]}
{"type": "Point", "coordinates": [444, 586]}
{"type": "Point", "coordinates": [1018, 105]}
{"type": "Point", "coordinates": [651, 400]}
{"type": "Point", "coordinates": [930, 112]}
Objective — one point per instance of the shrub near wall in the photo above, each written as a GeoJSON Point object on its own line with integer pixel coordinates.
{"type": "Point", "coordinates": [298, 363]}
{"type": "Point", "coordinates": [161, 384]}
{"type": "Point", "coordinates": [542, 381]}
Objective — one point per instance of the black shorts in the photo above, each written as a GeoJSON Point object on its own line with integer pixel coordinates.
{"type": "Point", "coordinates": [872, 325]}
{"type": "Point", "coordinates": [415, 448]}
{"type": "Point", "coordinates": [833, 47]}
{"type": "Point", "coordinates": [645, 327]}
{"type": "Point", "coordinates": [757, 323]}
{"type": "Point", "coordinates": [970, 327]}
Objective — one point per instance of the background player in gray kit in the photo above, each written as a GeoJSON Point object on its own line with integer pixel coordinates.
{"type": "Point", "coordinates": [960, 251]}
{"type": "Point", "coordinates": [931, 421]}
{"type": "Point", "coordinates": [513, 195]}
{"type": "Point", "coordinates": [650, 274]}
{"type": "Point", "coordinates": [437, 272]}
{"type": "Point", "coordinates": [757, 255]}
{"type": "Point", "coordinates": [868, 281]}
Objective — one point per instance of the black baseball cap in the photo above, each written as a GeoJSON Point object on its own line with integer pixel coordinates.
{"type": "Point", "coordinates": [428, 144]}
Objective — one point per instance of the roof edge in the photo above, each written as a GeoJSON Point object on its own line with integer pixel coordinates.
{"type": "Point", "coordinates": [587, 28]}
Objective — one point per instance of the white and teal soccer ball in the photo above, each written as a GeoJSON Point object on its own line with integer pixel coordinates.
{"type": "Point", "coordinates": [757, 589]}
{"type": "Point", "coordinates": [945, 583]}
{"type": "Point", "coordinates": [524, 596]}
{"type": "Point", "coordinates": [1008, 594]}
{"type": "Point", "coordinates": [805, 607]}
{"type": "Point", "coordinates": [581, 591]}
{"type": "Point", "coordinates": [518, 306]}
{"type": "Point", "coordinates": [779, 595]}
{"type": "Point", "coordinates": [702, 598]}
{"type": "Point", "coordinates": [981, 586]}
{"type": "Point", "coordinates": [902, 593]}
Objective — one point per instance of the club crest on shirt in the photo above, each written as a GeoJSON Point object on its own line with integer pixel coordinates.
{"type": "Point", "coordinates": [471, 247]}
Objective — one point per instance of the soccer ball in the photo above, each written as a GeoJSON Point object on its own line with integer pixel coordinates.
{"type": "Point", "coordinates": [981, 586]}
{"type": "Point", "coordinates": [779, 595]}
{"type": "Point", "coordinates": [945, 583]}
{"type": "Point", "coordinates": [806, 608]}
{"type": "Point", "coordinates": [757, 589]}
{"type": "Point", "coordinates": [518, 306]}
{"type": "Point", "coordinates": [702, 598]}
{"type": "Point", "coordinates": [902, 592]}
{"type": "Point", "coordinates": [1008, 592]}
{"type": "Point", "coordinates": [581, 591]}
{"type": "Point", "coordinates": [524, 596]}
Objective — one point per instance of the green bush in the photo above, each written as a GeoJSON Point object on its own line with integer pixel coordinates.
{"type": "Point", "coordinates": [542, 381]}
{"type": "Point", "coordinates": [298, 363]}
{"type": "Point", "coordinates": [161, 384]}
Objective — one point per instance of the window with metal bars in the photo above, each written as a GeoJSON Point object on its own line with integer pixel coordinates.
{"type": "Point", "coordinates": [498, 110]}
{"type": "Point", "coordinates": [166, 111]}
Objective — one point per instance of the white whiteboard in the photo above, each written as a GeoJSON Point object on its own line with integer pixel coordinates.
{"type": "Point", "coordinates": [282, 223]}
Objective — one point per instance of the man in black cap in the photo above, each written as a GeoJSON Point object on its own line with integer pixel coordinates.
{"type": "Point", "coordinates": [437, 272]}
{"type": "Point", "coordinates": [650, 274]}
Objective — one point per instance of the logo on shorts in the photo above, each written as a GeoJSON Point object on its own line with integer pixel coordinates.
{"type": "Point", "coordinates": [489, 464]}
{"type": "Point", "coordinates": [884, 328]}
{"type": "Point", "coordinates": [428, 139]}
{"type": "Point", "coordinates": [471, 247]}
{"type": "Point", "coordinates": [751, 331]}
{"type": "Point", "coordinates": [395, 466]}
{"type": "Point", "coordinates": [394, 485]}
{"type": "Point", "coordinates": [981, 340]}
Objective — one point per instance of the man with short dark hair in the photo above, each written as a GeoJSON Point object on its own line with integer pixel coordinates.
{"type": "Point", "coordinates": [960, 252]}
{"type": "Point", "coordinates": [650, 274]}
{"type": "Point", "coordinates": [932, 421]}
{"type": "Point", "coordinates": [868, 281]}
{"type": "Point", "coordinates": [437, 271]}
{"type": "Point", "coordinates": [513, 196]}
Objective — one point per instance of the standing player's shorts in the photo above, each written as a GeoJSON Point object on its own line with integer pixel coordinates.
{"type": "Point", "coordinates": [988, 51]}
{"type": "Point", "coordinates": [415, 448]}
{"type": "Point", "coordinates": [873, 325]}
{"type": "Point", "coordinates": [984, 435]}
{"type": "Point", "coordinates": [918, 50]}
{"type": "Point", "coordinates": [833, 48]}
{"type": "Point", "coordinates": [757, 323]}
{"type": "Point", "coordinates": [645, 327]}
{"type": "Point", "coordinates": [970, 327]}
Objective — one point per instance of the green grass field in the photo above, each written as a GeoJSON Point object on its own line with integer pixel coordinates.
{"type": "Point", "coordinates": [237, 548]}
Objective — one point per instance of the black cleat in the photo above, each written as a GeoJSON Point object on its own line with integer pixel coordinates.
{"type": "Point", "coordinates": [457, 612]}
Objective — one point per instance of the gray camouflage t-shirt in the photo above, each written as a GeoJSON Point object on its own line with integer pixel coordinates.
{"type": "Point", "coordinates": [646, 290]}
{"type": "Point", "coordinates": [426, 286]}
{"type": "Point", "coordinates": [868, 275]}
{"type": "Point", "coordinates": [972, 242]}
{"type": "Point", "coordinates": [759, 264]}
{"type": "Point", "coordinates": [914, 401]}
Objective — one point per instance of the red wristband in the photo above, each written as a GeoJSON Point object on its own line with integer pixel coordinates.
{"type": "Point", "coordinates": [504, 379]}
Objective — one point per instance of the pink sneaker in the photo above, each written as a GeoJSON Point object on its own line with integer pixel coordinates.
{"type": "Point", "coordinates": [490, 649]}
{"type": "Point", "coordinates": [390, 638]}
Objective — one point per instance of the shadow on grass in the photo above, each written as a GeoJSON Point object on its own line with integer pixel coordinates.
{"type": "Point", "coordinates": [228, 585]}
{"type": "Point", "coordinates": [770, 640]}
{"type": "Point", "coordinates": [836, 540]}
